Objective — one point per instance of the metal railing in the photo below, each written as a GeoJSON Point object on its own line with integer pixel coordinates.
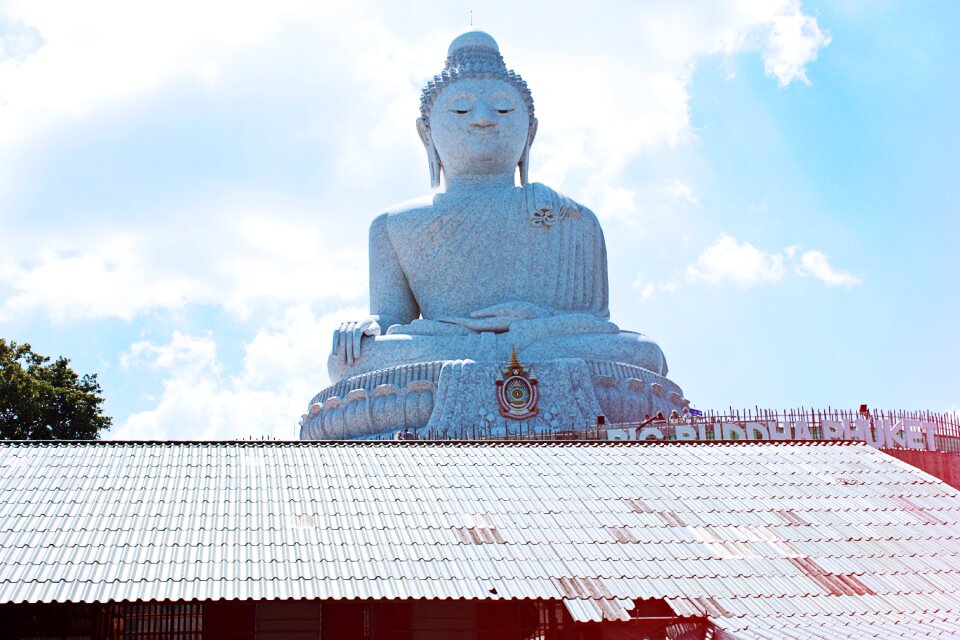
{"type": "Point", "coordinates": [946, 426]}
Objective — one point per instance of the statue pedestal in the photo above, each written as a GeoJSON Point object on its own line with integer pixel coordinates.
{"type": "Point", "coordinates": [458, 399]}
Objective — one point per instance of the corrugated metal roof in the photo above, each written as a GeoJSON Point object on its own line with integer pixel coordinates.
{"type": "Point", "coordinates": [768, 540]}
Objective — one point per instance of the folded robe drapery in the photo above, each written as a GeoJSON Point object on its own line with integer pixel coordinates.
{"type": "Point", "coordinates": [525, 244]}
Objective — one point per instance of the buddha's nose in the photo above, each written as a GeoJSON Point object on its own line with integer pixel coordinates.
{"type": "Point", "coordinates": [483, 118]}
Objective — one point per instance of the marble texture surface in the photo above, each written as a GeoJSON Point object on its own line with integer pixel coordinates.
{"type": "Point", "coordinates": [457, 399]}
{"type": "Point", "coordinates": [486, 266]}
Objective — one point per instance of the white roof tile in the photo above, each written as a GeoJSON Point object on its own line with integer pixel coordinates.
{"type": "Point", "coordinates": [762, 538]}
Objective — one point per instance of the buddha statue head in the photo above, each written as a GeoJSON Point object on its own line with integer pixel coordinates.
{"type": "Point", "coordinates": [476, 116]}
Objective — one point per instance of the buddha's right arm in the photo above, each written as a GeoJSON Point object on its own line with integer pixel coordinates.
{"type": "Point", "coordinates": [391, 299]}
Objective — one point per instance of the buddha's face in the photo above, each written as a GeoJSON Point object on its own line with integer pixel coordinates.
{"type": "Point", "coordinates": [479, 127]}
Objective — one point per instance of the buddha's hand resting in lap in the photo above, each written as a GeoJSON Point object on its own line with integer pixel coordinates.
{"type": "Point", "coordinates": [347, 339]}
{"type": "Point", "coordinates": [499, 317]}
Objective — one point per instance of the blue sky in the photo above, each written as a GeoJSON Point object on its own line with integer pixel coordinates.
{"type": "Point", "coordinates": [185, 189]}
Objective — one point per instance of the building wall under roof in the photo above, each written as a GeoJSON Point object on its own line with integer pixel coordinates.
{"type": "Point", "coordinates": [329, 620]}
{"type": "Point", "coordinates": [940, 464]}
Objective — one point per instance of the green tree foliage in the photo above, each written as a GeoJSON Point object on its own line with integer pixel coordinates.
{"type": "Point", "coordinates": [44, 400]}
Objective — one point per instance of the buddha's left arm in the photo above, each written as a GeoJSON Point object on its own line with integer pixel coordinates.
{"type": "Point", "coordinates": [600, 305]}
{"type": "Point", "coordinates": [587, 272]}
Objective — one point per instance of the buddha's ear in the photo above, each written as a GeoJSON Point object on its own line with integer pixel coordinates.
{"type": "Point", "coordinates": [524, 164]}
{"type": "Point", "coordinates": [433, 158]}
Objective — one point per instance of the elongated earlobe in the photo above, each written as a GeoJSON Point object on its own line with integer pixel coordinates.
{"type": "Point", "coordinates": [524, 164]}
{"type": "Point", "coordinates": [435, 168]}
{"type": "Point", "coordinates": [433, 158]}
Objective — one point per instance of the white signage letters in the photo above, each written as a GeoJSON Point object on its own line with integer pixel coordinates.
{"type": "Point", "coordinates": [907, 433]}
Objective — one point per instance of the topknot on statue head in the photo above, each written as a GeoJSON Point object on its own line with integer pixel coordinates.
{"type": "Point", "coordinates": [473, 55]}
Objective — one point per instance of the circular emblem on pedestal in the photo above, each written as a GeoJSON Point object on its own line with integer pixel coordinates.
{"type": "Point", "coordinates": [517, 391]}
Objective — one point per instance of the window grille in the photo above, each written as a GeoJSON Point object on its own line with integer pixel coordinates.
{"type": "Point", "coordinates": [156, 621]}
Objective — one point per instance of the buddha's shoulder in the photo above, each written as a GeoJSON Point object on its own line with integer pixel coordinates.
{"type": "Point", "coordinates": [410, 208]}
{"type": "Point", "coordinates": [529, 199]}
{"type": "Point", "coordinates": [401, 215]}
{"type": "Point", "coordinates": [544, 197]}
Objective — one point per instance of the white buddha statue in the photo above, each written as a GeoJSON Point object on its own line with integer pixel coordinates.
{"type": "Point", "coordinates": [486, 266]}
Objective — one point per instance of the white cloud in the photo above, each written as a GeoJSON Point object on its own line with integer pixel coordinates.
{"type": "Point", "coordinates": [787, 39]}
{"type": "Point", "coordinates": [737, 262]}
{"type": "Point", "coordinates": [816, 264]}
{"type": "Point", "coordinates": [727, 260]}
{"type": "Point", "coordinates": [218, 245]}
{"type": "Point", "coordinates": [17, 40]}
{"type": "Point", "coordinates": [635, 89]}
{"type": "Point", "coordinates": [631, 101]}
{"type": "Point", "coordinates": [683, 191]}
{"type": "Point", "coordinates": [112, 57]}
{"type": "Point", "coordinates": [283, 367]}
{"type": "Point", "coordinates": [792, 43]}
{"type": "Point", "coordinates": [669, 287]}
{"type": "Point", "coordinates": [107, 278]}
{"type": "Point", "coordinates": [103, 51]}
{"type": "Point", "coordinates": [291, 259]}
{"type": "Point", "coordinates": [611, 202]}
{"type": "Point", "coordinates": [247, 255]}
{"type": "Point", "coordinates": [193, 355]}
{"type": "Point", "coordinates": [648, 289]}
{"type": "Point", "coordinates": [645, 287]}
